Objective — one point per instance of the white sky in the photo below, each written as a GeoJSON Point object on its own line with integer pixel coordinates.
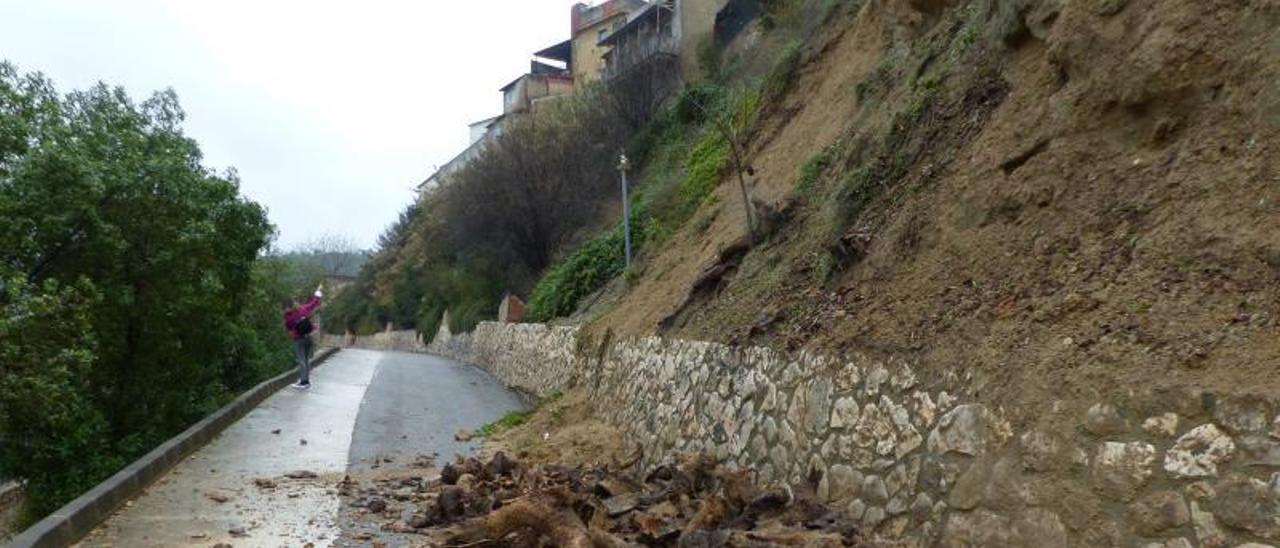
{"type": "Point", "coordinates": [331, 111]}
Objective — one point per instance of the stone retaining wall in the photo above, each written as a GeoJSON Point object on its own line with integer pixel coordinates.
{"type": "Point", "coordinates": [921, 459]}
{"type": "Point", "coordinates": [398, 341]}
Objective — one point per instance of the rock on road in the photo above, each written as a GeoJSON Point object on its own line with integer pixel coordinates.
{"type": "Point", "coordinates": [364, 407]}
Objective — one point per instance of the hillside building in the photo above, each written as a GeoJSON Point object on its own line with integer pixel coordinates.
{"type": "Point", "coordinates": [589, 25]}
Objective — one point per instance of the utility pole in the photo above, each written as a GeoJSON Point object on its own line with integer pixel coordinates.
{"type": "Point", "coordinates": [626, 208]}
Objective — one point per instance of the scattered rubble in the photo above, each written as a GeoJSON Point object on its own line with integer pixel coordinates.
{"type": "Point", "coordinates": [506, 502]}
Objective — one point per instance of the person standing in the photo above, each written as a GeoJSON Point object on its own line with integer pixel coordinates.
{"type": "Point", "coordinates": [298, 321]}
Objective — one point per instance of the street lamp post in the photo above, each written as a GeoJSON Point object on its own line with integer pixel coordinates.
{"type": "Point", "coordinates": [626, 209]}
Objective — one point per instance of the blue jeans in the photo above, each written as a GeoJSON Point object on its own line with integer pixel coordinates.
{"type": "Point", "coordinates": [302, 356]}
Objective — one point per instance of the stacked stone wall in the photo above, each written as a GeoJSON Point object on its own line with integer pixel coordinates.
{"type": "Point", "coordinates": [395, 341]}
{"type": "Point", "coordinates": [534, 358]}
{"type": "Point", "coordinates": [924, 460]}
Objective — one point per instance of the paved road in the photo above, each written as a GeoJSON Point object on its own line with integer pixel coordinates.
{"type": "Point", "coordinates": [416, 403]}
{"type": "Point", "coordinates": [363, 406]}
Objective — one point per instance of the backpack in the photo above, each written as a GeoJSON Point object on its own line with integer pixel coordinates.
{"type": "Point", "coordinates": [303, 326]}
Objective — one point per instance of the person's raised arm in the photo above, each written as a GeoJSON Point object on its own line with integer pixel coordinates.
{"type": "Point", "coordinates": [314, 301]}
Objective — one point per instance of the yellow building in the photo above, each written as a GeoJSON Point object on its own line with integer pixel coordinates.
{"type": "Point", "coordinates": [589, 25]}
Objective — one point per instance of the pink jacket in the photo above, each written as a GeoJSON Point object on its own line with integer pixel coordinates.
{"type": "Point", "coordinates": [292, 315]}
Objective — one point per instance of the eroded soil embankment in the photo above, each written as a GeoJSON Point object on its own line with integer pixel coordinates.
{"type": "Point", "coordinates": [1068, 200]}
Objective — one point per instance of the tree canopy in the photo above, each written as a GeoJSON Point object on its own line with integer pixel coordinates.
{"type": "Point", "coordinates": [134, 300]}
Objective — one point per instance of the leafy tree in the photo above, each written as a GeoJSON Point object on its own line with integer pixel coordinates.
{"type": "Point", "coordinates": [47, 418]}
{"type": "Point", "coordinates": [131, 270]}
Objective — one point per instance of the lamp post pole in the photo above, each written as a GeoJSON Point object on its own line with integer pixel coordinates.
{"type": "Point", "coordinates": [626, 209]}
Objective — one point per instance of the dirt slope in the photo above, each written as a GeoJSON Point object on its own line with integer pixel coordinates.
{"type": "Point", "coordinates": [1055, 198]}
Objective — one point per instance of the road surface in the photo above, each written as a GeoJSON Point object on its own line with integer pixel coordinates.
{"type": "Point", "coordinates": [365, 408]}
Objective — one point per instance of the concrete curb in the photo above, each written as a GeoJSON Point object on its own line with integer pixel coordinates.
{"type": "Point", "coordinates": [10, 493]}
{"type": "Point", "coordinates": [72, 522]}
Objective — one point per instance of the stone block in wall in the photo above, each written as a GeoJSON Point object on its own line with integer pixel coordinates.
{"type": "Point", "coordinates": [817, 411]}
{"type": "Point", "coordinates": [1163, 425]}
{"type": "Point", "coordinates": [877, 376]}
{"type": "Point", "coordinates": [1120, 469]}
{"type": "Point", "coordinates": [1244, 414]}
{"type": "Point", "coordinates": [1179, 542]}
{"type": "Point", "coordinates": [1198, 453]}
{"type": "Point", "coordinates": [922, 406]}
{"type": "Point", "coordinates": [970, 429]}
{"type": "Point", "coordinates": [1104, 419]}
{"type": "Point", "coordinates": [1259, 451]}
{"type": "Point", "coordinates": [1044, 450]}
{"type": "Point", "coordinates": [845, 413]}
{"type": "Point", "coordinates": [1208, 531]}
{"type": "Point", "coordinates": [1247, 504]}
{"type": "Point", "coordinates": [1036, 528]}
{"type": "Point", "coordinates": [1158, 512]}
{"type": "Point", "coordinates": [874, 430]}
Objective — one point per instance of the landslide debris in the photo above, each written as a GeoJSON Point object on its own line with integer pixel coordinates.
{"type": "Point", "coordinates": [691, 501]}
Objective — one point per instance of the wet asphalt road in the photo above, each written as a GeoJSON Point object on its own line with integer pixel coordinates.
{"type": "Point", "coordinates": [363, 404]}
{"type": "Point", "coordinates": [416, 404]}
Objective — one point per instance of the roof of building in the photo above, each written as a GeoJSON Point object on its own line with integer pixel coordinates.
{"type": "Point", "coordinates": [451, 165]}
{"type": "Point", "coordinates": [636, 19]}
{"type": "Point", "coordinates": [560, 52]}
{"type": "Point", "coordinates": [585, 16]}
{"type": "Point", "coordinates": [486, 122]}
{"type": "Point", "coordinates": [562, 77]}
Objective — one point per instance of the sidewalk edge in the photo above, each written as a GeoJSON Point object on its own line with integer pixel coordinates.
{"type": "Point", "coordinates": [69, 524]}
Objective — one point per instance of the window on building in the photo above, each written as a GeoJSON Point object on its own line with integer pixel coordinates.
{"type": "Point", "coordinates": [600, 34]}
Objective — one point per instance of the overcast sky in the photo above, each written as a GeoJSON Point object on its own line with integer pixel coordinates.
{"type": "Point", "coordinates": [331, 111]}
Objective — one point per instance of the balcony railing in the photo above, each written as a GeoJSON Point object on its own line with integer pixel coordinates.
{"type": "Point", "coordinates": [639, 51]}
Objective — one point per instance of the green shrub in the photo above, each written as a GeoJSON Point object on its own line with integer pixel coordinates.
{"type": "Point", "coordinates": [882, 77]}
{"type": "Point", "coordinates": [697, 101]}
{"type": "Point", "coordinates": [746, 112]}
{"type": "Point", "coordinates": [429, 318]}
{"type": "Point", "coordinates": [661, 131]}
{"type": "Point", "coordinates": [780, 77]}
{"type": "Point", "coordinates": [516, 418]}
{"type": "Point", "coordinates": [824, 265]}
{"type": "Point", "coordinates": [507, 422]}
{"type": "Point", "coordinates": [580, 274]}
{"type": "Point", "coordinates": [466, 315]}
{"type": "Point", "coordinates": [856, 191]}
{"type": "Point", "coordinates": [968, 34]}
{"type": "Point", "coordinates": [703, 167]}
{"type": "Point", "coordinates": [813, 168]}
